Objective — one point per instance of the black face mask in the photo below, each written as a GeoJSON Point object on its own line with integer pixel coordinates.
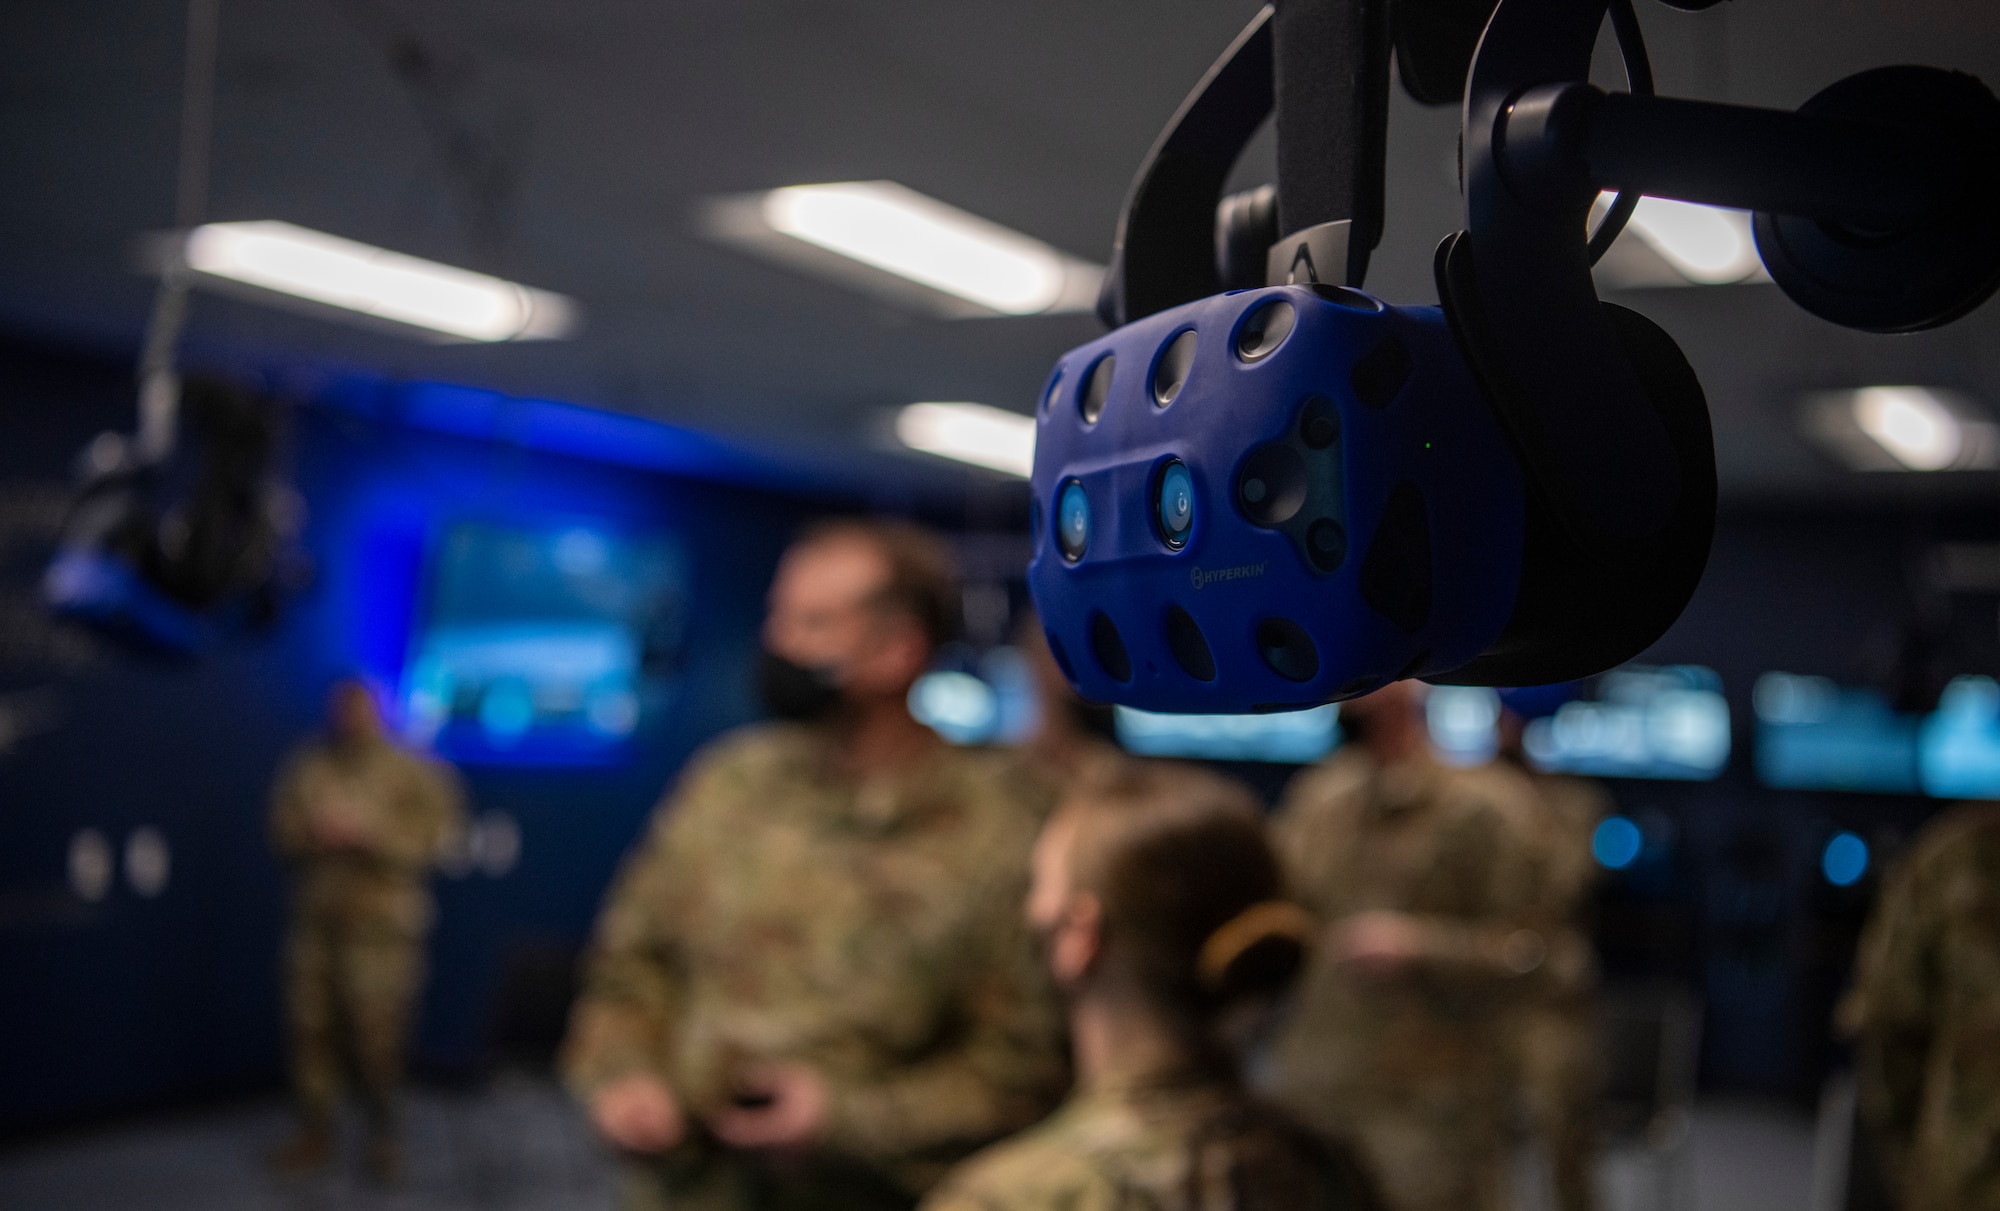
{"type": "Point", "coordinates": [1354, 730]}
{"type": "Point", "coordinates": [793, 692]}
{"type": "Point", "coordinates": [1093, 719]}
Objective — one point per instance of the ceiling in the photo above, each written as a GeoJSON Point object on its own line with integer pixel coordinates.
{"type": "Point", "coordinates": [587, 133]}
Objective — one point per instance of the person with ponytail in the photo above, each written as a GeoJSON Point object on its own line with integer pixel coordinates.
{"type": "Point", "coordinates": [1160, 906]}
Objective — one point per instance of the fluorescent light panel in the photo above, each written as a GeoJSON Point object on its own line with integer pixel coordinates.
{"type": "Point", "coordinates": [1911, 424]}
{"type": "Point", "coordinates": [361, 278]}
{"type": "Point", "coordinates": [857, 231]}
{"type": "Point", "coordinates": [1695, 245]}
{"type": "Point", "coordinates": [971, 433]}
{"type": "Point", "coordinates": [1902, 428]}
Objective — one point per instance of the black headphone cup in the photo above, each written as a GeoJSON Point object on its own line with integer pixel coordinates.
{"type": "Point", "coordinates": [1899, 280]}
{"type": "Point", "coordinates": [1574, 613]}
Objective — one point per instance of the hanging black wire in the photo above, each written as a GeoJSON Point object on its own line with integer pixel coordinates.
{"type": "Point", "coordinates": [1639, 81]}
{"type": "Point", "coordinates": [159, 375]}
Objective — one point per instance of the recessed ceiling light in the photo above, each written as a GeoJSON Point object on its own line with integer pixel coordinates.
{"type": "Point", "coordinates": [1670, 243]}
{"type": "Point", "coordinates": [971, 433]}
{"type": "Point", "coordinates": [1903, 429]}
{"type": "Point", "coordinates": [896, 242]}
{"type": "Point", "coordinates": [1911, 425]}
{"type": "Point", "coordinates": [305, 264]}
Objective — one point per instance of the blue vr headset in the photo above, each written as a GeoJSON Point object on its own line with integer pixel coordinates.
{"type": "Point", "coordinates": [1273, 495]}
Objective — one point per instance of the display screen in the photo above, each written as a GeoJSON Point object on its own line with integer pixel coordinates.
{"type": "Point", "coordinates": [1958, 747]}
{"type": "Point", "coordinates": [1286, 736]}
{"type": "Point", "coordinates": [1813, 734]}
{"type": "Point", "coordinates": [988, 698]}
{"type": "Point", "coordinates": [1638, 722]}
{"type": "Point", "coordinates": [1463, 721]}
{"type": "Point", "coordinates": [542, 646]}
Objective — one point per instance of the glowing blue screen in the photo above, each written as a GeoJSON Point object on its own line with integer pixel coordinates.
{"type": "Point", "coordinates": [1958, 747]}
{"type": "Point", "coordinates": [1290, 736]}
{"type": "Point", "coordinates": [542, 646]}
{"type": "Point", "coordinates": [1815, 735]}
{"type": "Point", "coordinates": [1640, 722]}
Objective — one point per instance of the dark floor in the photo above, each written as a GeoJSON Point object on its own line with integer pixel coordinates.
{"type": "Point", "coordinates": [517, 1144]}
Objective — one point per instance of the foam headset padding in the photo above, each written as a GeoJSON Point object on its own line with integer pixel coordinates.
{"type": "Point", "coordinates": [1576, 615]}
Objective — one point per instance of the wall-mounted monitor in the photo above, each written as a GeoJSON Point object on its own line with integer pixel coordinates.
{"type": "Point", "coordinates": [987, 699]}
{"type": "Point", "coordinates": [1638, 721]}
{"type": "Point", "coordinates": [1281, 736]}
{"type": "Point", "coordinates": [1958, 746]}
{"type": "Point", "coordinates": [542, 645]}
{"type": "Point", "coordinates": [1813, 734]}
{"type": "Point", "coordinates": [1463, 721]}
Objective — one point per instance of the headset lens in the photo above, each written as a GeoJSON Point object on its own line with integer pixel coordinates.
{"type": "Point", "coordinates": [1176, 504]}
{"type": "Point", "coordinates": [1072, 521]}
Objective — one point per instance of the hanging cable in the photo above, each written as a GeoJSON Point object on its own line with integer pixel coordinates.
{"type": "Point", "coordinates": [159, 376]}
{"type": "Point", "coordinates": [1638, 81]}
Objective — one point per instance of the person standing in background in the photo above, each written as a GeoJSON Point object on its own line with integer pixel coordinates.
{"type": "Point", "coordinates": [1925, 1011]}
{"type": "Point", "coordinates": [1161, 911]}
{"type": "Point", "coordinates": [359, 823]}
{"type": "Point", "coordinates": [1072, 737]}
{"type": "Point", "coordinates": [810, 986]}
{"type": "Point", "coordinates": [1557, 1035]}
{"type": "Point", "coordinates": [1432, 882]}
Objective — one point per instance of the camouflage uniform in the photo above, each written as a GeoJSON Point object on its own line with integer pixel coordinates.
{"type": "Point", "coordinates": [1182, 1145]}
{"type": "Point", "coordinates": [1926, 1005]}
{"type": "Point", "coordinates": [354, 958]}
{"type": "Point", "coordinates": [1418, 1068]}
{"type": "Point", "coordinates": [1557, 1028]}
{"type": "Point", "coordinates": [780, 911]}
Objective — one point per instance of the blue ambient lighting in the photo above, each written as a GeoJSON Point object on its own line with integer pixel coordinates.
{"type": "Point", "coordinates": [1844, 860]}
{"type": "Point", "coordinates": [1616, 843]}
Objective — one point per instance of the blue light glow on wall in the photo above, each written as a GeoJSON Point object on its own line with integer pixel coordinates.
{"type": "Point", "coordinates": [1844, 860]}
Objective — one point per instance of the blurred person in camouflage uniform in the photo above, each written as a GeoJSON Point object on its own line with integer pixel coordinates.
{"type": "Point", "coordinates": [1925, 1008]}
{"type": "Point", "coordinates": [1432, 882]}
{"type": "Point", "coordinates": [1071, 737]}
{"type": "Point", "coordinates": [1560, 1071]}
{"type": "Point", "coordinates": [1161, 910]}
{"type": "Point", "coordinates": [359, 823]}
{"type": "Point", "coordinates": [809, 985]}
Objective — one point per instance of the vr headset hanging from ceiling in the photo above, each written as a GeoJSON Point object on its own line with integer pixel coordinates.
{"type": "Point", "coordinates": [184, 529]}
{"type": "Point", "coordinates": [1267, 489]}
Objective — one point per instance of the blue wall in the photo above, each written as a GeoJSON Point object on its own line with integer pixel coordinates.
{"type": "Point", "coordinates": [135, 999]}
